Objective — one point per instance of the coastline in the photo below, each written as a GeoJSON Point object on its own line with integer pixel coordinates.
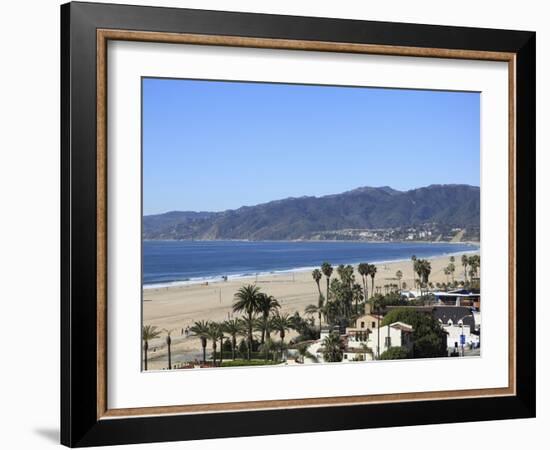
{"type": "Point", "coordinates": [218, 278]}
{"type": "Point", "coordinates": [177, 307]}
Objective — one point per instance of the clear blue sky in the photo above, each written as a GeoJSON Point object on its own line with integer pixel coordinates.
{"type": "Point", "coordinates": [211, 146]}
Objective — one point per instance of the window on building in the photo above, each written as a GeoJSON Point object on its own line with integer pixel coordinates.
{"type": "Point", "coordinates": [374, 325]}
{"type": "Point", "coordinates": [362, 324]}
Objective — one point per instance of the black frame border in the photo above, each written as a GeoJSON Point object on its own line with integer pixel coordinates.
{"type": "Point", "coordinates": [79, 424]}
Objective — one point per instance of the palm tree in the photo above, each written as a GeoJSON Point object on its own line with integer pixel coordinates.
{"type": "Point", "coordinates": [317, 275]}
{"type": "Point", "coordinates": [233, 327]}
{"type": "Point", "coordinates": [426, 269]}
{"type": "Point", "coordinates": [363, 269]}
{"type": "Point", "coordinates": [326, 268]}
{"type": "Point", "coordinates": [372, 273]}
{"type": "Point", "coordinates": [214, 335]}
{"type": "Point", "coordinates": [474, 263]}
{"type": "Point", "coordinates": [465, 265]}
{"type": "Point", "coordinates": [169, 346]}
{"type": "Point", "coordinates": [357, 295]}
{"type": "Point", "coordinates": [263, 325]}
{"type": "Point", "coordinates": [247, 300]}
{"type": "Point", "coordinates": [148, 332]}
{"type": "Point", "coordinates": [418, 270]}
{"type": "Point", "coordinates": [282, 323]}
{"type": "Point", "coordinates": [399, 275]}
{"type": "Point", "coordinates": [341, 271]}
{"type": "Point", "coordinates": [332, 348]}
{"type": "Point", "coordinates": [202, 329]}
{"type": "Point", "coordinates": [249, 325]}
{"type": "Point", "coordinates": [267, 305]}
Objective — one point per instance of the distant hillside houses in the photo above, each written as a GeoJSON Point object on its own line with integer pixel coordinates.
{"type": "Point", "coordinates": [431, 213]}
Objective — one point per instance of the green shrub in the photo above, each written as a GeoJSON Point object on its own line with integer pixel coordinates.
{"type": "Point", "coordinates": [395, 353]}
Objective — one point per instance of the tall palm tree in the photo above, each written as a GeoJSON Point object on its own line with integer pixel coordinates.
{"type": "Point", "coordinates": [148, 332]}
{"type": "Point", "coordinates": [267, 304]}
{"type": "Point", "coordinates": [418, 270]}
{"type": "Point", "coordinates": [317, 275]}
{"type": "Point", "coordinates": [169, 346]}
{"type": "Point", "coordinates": [426, 269]}
{"type": "Point", "coordinates": [363, 269]}
{"type": "Point", "coordinates": [399, 275]}
{"type": "Point", "coordinates": [357, 295]}
{"type": "Point", "coordinates": [247, 300]}
{"type": "Point", "coordinates": [282, 323]}
{"type": "Point", "coordinates": [327, 269]}
{"type": "Point", "coordinates": [214, 335]}
{"type": "Point", "coordinates": [474, 263]}
{"type": "Point", "coordinates": [201, 329]}
{"type": "Point", "coordinates": [341, 271]}
{"type": "Point", "coordinates": [465, 265]}
{"type": "Point", "coordinates": [452, 267]}
{"type": "Point", "coordinates": [263, 325]}
{"type": "Point", "coordinates": [372, 273]}
{"type": "Point", "coordinates": [233, 327]}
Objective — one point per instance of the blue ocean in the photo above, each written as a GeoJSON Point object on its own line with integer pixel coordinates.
{"type": "Point", "coordinates": [181, 262]}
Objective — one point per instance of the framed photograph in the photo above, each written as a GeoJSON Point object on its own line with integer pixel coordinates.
{"type": "Point", "coordinates": [277, 224]}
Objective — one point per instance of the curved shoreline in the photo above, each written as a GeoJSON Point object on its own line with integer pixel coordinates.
{"type": "Point", "coordinates": [218, 278]}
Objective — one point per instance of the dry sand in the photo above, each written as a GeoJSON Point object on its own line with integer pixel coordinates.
{"type": "Point", "coordinates": [177, 307]}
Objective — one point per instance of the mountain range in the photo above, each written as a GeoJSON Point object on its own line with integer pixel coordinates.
{"type": "Point", "coordinates": [308, 217]}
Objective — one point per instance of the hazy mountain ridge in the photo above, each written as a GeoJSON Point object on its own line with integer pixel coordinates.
{"type": "Point", "coordinates": [310, 217]}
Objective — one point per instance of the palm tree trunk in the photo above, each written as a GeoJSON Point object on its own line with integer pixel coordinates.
{"type": "Point", "coordinates": [249, 350]}
{"type": "Point", "coordinates": [233, 344]}
{"type": "Point", "coordinates": [214, 353]}
{"type": "Point", "coordinates": [204, 352]}
{"type": "Point", "coordinates": [328, 286]}
{"type": "Point", "coordinates": [221, 351]}
{"type": "Point", "coordinates": [145, 348]}
{"type": "Point", "coordinates": [169, 343]}
{"type": "Point", "coordinates": [263, 329]}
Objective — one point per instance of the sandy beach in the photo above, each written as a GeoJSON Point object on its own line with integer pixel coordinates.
{"type": "Point", "coordinates": [177, 307]}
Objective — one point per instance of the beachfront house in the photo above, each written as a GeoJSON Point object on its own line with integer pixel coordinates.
{"type": "Point", "coordinates": [364, 341]}
{"type": "Point", "coordinates": [455, 320]}
{"type": "Point", "coordinates": [365, 322]}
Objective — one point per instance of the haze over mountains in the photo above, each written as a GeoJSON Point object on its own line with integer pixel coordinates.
{"type": "Point", "coordinates": [451, 205]}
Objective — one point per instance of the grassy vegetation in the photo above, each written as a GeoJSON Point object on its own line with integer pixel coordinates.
{"type": "Point", "coordinates": [245, 362]}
